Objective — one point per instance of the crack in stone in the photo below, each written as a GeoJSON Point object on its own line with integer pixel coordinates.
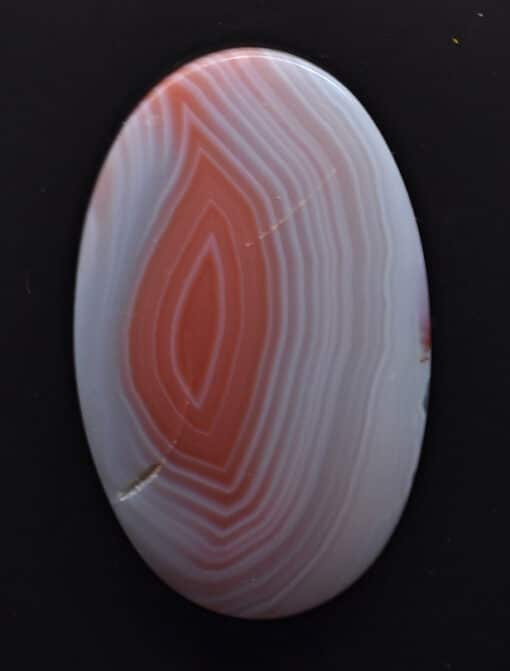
{"type": "Point", "coordinates": [139, 483]}
{"type": "Point", "coordinates": [302, 203]}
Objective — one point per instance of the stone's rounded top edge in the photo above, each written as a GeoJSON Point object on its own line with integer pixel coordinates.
{"type": "Point", "coordinates": [217, 57]}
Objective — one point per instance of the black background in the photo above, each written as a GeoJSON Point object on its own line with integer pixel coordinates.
{"type": "Point", "coordinates": [73, 594]}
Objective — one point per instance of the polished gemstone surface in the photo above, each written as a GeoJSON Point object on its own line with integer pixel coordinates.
{"type": "Point", "coordinates": [252, 333]}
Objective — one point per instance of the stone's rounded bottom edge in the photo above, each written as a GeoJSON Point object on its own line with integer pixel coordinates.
{"type": "Point", "coordinates": [284, 613]}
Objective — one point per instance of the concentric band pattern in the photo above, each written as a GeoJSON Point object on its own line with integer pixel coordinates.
{"type": "Point", "coordinates": [251, 333]}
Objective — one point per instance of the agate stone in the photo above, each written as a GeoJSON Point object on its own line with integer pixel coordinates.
{"type": "Point", "coordinates": [252, 333]}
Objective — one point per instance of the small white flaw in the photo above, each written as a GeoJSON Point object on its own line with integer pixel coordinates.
{"type": "Point", "coordinates": [137, 485]}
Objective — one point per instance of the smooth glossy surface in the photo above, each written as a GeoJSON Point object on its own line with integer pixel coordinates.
{"type": "Point", "coordinates": [252, 333]}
